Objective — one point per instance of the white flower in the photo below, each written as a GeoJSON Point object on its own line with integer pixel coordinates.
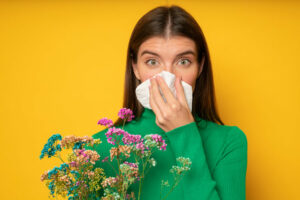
{"type": "Point", "coordinates": [153, 162]}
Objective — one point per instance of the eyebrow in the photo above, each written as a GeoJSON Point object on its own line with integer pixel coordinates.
{"type": "Point", "coordinates": [180, 54]}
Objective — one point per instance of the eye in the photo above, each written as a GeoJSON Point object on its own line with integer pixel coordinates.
{"type": "Point", "coordinates": [147, 62]}
{"type": "Point", "coordinates": [185, 60]}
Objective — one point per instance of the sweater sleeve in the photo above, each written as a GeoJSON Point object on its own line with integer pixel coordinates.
{"type": "Point", "coordinates": [227, 181]}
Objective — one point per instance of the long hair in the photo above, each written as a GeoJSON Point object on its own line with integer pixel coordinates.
{"type": "Point", "coordinates": [175, 21]}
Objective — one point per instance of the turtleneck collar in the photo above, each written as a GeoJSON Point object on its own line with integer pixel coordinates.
{"type": "Point", "coordinates": [149, 116]}
{"type": "Point", "coordinates": [149, 113]}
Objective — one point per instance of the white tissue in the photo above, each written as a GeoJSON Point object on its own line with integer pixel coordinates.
{"type": "Point", "coordinates": [142, 90]}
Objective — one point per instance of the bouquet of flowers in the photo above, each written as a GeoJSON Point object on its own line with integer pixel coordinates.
{"type": "Point", "coordinates": [78, 178]}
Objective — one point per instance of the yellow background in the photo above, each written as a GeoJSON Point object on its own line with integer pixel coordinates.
{"type": "Point", "coordinates": [62, 68]}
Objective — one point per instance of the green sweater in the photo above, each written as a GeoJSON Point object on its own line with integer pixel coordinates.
{"type": "Point", "coordinates": [218, 154]}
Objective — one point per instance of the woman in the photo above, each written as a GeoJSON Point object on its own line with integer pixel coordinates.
{"type": "Point", "coordinates": [169, 38]}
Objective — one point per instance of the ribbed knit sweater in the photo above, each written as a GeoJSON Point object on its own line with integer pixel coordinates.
{"type": "Point", "coordinates": [218, 154]}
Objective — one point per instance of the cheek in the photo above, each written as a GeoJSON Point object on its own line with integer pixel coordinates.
{"type": "Point", "coordinates": [189, 79]}
{"type": "Point", "coordinates": [146, 76]}
{"type": "Point", "coordinates": [189, 75]}
{"type": "Point", "coordinates": [147, 73]}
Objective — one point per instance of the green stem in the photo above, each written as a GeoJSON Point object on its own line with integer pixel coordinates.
{"type": "Point", "coordinates": [140, 188]}
{"type": "Point", "coordinates": [118, 158]}
{"type": "Point", "coordinates": [177, 180]}
{"type": "Point", "coordinates": [113, 168]}
{"type": "Point", "coordinates": [124, 122]}
{"type": "Point", "coordinates": [173, 186]}
{"type": "Point", "coordinates": [141, 179]}
{"type": "Point", "coordinates": [161, 186]}
{"type": "Point", "coordinates": [143, 174]}
{"type": "Point", "coordinates": [58, 156]}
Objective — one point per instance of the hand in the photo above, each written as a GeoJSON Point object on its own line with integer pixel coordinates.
{"type": "Point", "coordinates": [173, 113]}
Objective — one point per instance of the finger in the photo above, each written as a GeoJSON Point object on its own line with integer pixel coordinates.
{"type": "Point", "coordinates": [157, 98]}
{"type": "Point", "coordinates": [180, 92]}
{"type": "Point", "coordinates": [166, 90]}
{"type": "Point", "coordinates": [153, 104]}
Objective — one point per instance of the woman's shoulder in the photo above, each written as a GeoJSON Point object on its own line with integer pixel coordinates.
{"type": "Point", "coordinates": [223, 133]}
{"type": "Point", "coordinates": [100, 134]}
{"type": "Point", "coordinates": [223, 141]}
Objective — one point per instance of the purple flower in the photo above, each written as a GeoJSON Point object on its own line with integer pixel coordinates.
{"type": "Point", "coordinates": [81, 151]}
{"type": "Point", "coordinates": [131, 164]}
{"type": "Point", "coordinates": [163, 146]}
{"type": "Point", "coordinates": [106, 122]}
{"type": "Point", "coordinates": [73, 164]}
{"type": "Point", "coordinates": [105, 159]}
{"type": "Point", "coordinates": [157, 138]}
{"type": "Point", "coordinates": [129, 139]}
{"type": "Point", "coordinates": [111, 142]}
{"type": "Point", "coordinates": [140, 146]}
{"type": "Point", "coordinates": [126, 113]}
{"type": "Point", "coordinates": [114, 131]}
{"type": "Point", "coordinates": [79, 182]}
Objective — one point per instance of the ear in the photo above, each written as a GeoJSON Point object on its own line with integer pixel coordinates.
{"type": "Point", "coordinates": [201, 66]}
{"type": "Point", "coordinates": [136, 72]}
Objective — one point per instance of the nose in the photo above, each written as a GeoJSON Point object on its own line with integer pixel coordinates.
{"type": "Point", "coordinates": [169, 69]}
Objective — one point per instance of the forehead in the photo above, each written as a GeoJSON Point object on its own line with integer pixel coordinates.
{"type": "Point", "coordinates": [173, 44]}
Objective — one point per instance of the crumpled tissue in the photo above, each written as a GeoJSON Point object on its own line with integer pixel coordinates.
{"type": "Point", "coordinates": [142, 90]}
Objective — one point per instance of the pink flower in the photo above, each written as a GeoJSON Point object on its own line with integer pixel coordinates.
{"type": "Point", "coordinates": [81, 151]}
{"type": "Point", "coordinates": [114, 131]}
{"type": "Point", "coordinates": [105, 122]}
{"type": "Point", "coordinates": [129, 139]}
{"type": "Point", "coordinates": [105, 159]}
{"type": "Point", "coordinates": [158, 139]}
{"type": "Point", "coordinates": [126, 113]}
{"type": "Point", "coordinates": [73, 164]}
{"type": "Point", "coordinates": [111, 142]}
{"type": "Point", "coordinates": [131, 164]}
{"type": "Point", "coordinates": [140, 146]}
{"type": "Point", "coordinates": [163, 146]}
{"type": "Point", "coordinates": [79, 182]}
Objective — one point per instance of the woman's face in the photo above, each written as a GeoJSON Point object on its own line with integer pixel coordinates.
{"type": "Point", "coordinates": [176, 54]}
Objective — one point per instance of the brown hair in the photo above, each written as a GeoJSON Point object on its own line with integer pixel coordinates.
{"type": "Point", "coordinates": [160, 22]}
